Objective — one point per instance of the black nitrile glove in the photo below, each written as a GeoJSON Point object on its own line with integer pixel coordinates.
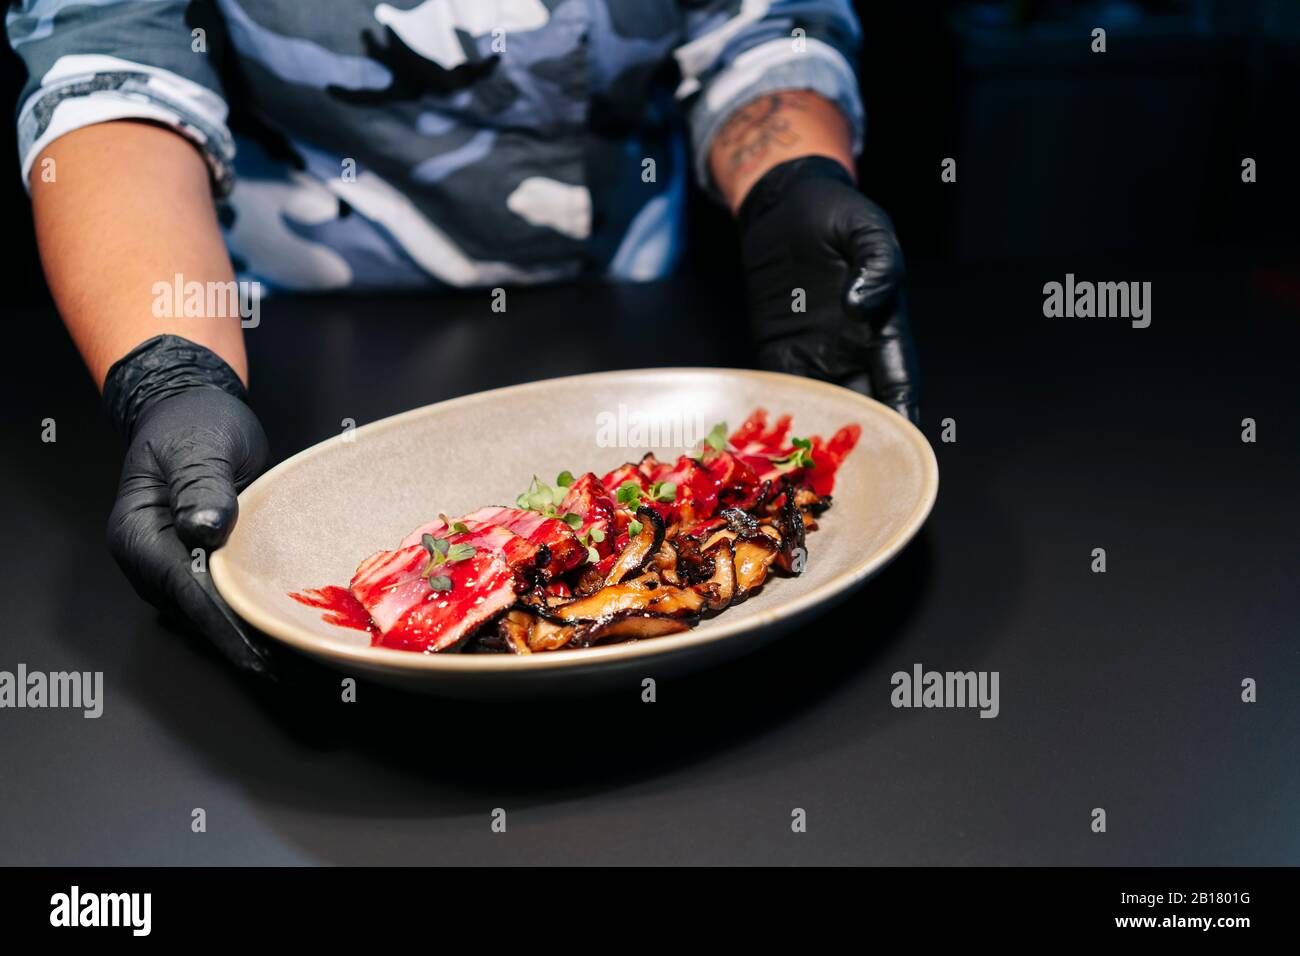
{"type": "Point", "coordinates": [193, 445]}
{"type": "Point", "coordinates": [804, 226]}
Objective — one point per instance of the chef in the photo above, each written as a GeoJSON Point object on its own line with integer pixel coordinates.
{"type": "Point", "coordinates": [428, 144]}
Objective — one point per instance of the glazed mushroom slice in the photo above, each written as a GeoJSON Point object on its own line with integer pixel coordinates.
{"type": "Point", "coordinates": [538, 602]}
{"type": "Point", "coordinates": [640, 549]}
{"type": "Point", "coordinates": [665, 564]}
{"type": "Point", "coordinates": [546, 635]}
{"type": "Point", "coordinates": [514, 629]}
{"type": "Point", "coordinates": [649, 465]}
{"type": "Point", "coordinates": [754, 559]}
{"type": "Point", "coordinates": [692, 566]}
{"type": "Point", "coordinates": [640, 594]}
{"type": "Point", "coordinates": [810, 501]}
{"type": "Point", "coordinates": [789, 521]}
{"type": "Point", "coordinates": [630, 626]}
{"type": "Point", "coordinates": [529, 627]}
{"type": "Point", "coordinates": [726, 534]}
{"type": "Point", "coordinates": [525, 632]}
{"type": "Point", "coordinates": [741, 522]}
{"type": "Point", "coordinates": [590, 580]}
{"type": "Point", "coordinates": [721, 588]}
{"type": "Point", "coordinates": [702, 529]}
{"type": "Point", "coordinates": [676, 602]}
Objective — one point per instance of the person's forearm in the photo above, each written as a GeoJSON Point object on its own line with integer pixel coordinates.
{"type": "Point", "coordinates": [772, 129]}
{"type": "Point", "coordinates": [129, 206]}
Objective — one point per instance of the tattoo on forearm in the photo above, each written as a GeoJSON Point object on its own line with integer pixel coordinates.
{"type": "Point", "coordinates": [756, 128]}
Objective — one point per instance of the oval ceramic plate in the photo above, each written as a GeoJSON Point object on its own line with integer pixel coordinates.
{"type": "Point", "coordinates": [310, 520]}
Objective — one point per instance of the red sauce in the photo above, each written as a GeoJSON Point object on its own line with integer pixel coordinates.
{"type": "Point", "coordinates": [340, 608]}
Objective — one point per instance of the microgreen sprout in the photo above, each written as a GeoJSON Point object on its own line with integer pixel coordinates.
{"type": "Point", "coordinates": [543, 498]}
{"type": "Point", "coordinates": [717, 437]}
{"type": "Point", "coordinates": [801, 457]}
{"type": "Point", "coordinates": [441, 551]}
{"type": "Point", "coordinates": [630, 494]}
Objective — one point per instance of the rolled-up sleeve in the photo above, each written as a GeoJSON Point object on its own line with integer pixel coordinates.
{"type": "Point", "coordinates": [738, 50]}
{"type": "Point", "coordinates": [91, 61]}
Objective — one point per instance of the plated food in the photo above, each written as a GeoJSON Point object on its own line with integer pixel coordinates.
{"type": "Point", "coordinates": [312, 517]}
{"type": "Point", "coordinates": [648, 549]}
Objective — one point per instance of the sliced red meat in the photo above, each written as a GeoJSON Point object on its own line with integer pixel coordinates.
{"type": "Point", "coordinates": [517, 551]}
{"type": "Point", "coordinates": [565, 550]}
{"type": "Point", "coordinates": [588, 500]}
{"type": "Point", "coordinates": [652, 467]}
{"type": "Point", "coordinates": [410, 615]}
{"type": "Point", "coordinates": [737, 482]}
{"type": "Point", "coordinates": [624, 473]}
{"type": "Point", "coordinates": [696, 491]}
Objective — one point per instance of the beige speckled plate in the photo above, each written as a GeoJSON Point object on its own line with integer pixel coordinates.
{"type": "Point", "coordinates": [310, 520]}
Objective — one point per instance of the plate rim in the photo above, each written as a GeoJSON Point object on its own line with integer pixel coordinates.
{"type": "Point", "coordinates": [383, 657]}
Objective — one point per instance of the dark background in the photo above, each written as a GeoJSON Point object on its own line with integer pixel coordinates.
{"type": "Point", "coordinates": [1118, 691]}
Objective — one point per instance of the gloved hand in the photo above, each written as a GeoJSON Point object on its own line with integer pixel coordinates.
{"type": "Point", "coordinates": [804, 225]}
{"type": "Point", "coordinates": [192, 445]}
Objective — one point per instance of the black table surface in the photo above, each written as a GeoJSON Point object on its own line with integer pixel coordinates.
{"type": "Point", "coordinates": [1120, 690]}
